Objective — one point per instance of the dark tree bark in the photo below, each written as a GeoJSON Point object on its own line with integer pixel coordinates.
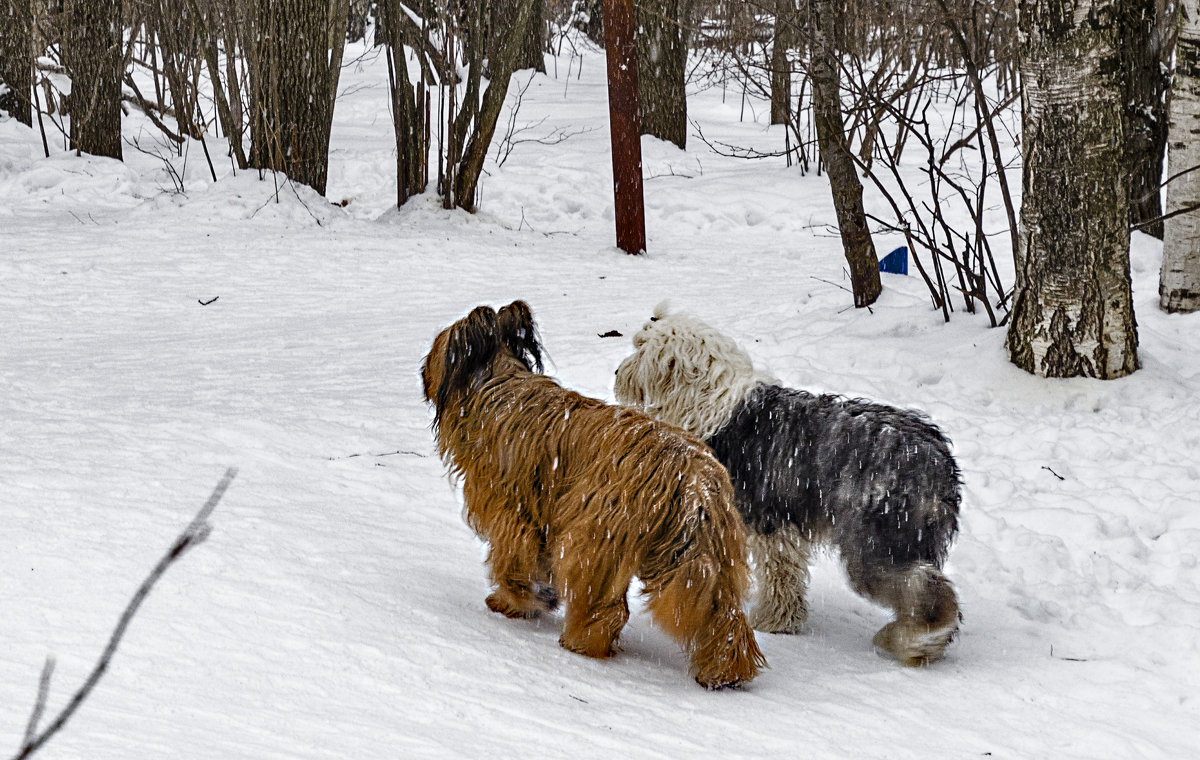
{"type": "Point", "coordinates": [410, 104]}
{"type": "Point", "coordinates": [177, 25]}
{"type": "Point", "coordinates": [16, 58]}
{"type": "Point", "coordinates": [533, 44]}
{"type": "Point", "coordinates": [505, 49]}
{"type": "Point", "coordinates": [293, 83]}
{"type": "Point", "coordinates": [225, 100]}
{"type": "Point", "coordinates": [1147, 83]}
{"type": "Point", "coordinates": [626, 140]}
{"type": "Point", "coordinates": [1072, 312]}
{"type": "Point", "coordinates": [781, 69]}
{"type": "Point", "coordinates": [593, 20]}
{"type": "Point", "coordinates": [847, 190]}
{"type": "Point", "coordinates": [662, 67]}
{"type": "Point", "coordinates": [94, 58]}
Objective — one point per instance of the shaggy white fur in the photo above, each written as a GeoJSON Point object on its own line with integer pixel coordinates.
{"type": "Point", "coordinates": [781, 574]}
{"type": "Point", "coordinates": [686, 373]}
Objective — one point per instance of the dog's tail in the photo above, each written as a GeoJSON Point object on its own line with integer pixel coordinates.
{"type": "Point", "coordinates": [696, 584]}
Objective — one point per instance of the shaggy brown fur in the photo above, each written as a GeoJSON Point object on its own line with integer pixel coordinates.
{"type": "Point", "coordinates": [576, 497]}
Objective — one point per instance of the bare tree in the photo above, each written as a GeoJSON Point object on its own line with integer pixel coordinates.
{"type": "Point", "coordinates": [1179, 280]}
{"type": "Point", "coordinates": [781, 68]}
{"type": "Point", "coordinates": [662, 64]}
{"type": "Point", "coordinates": [94, 57]}
{"type": "Point", "coordinates": [295, 56]}
{"type": "Point", "coordinates": [410, 101]}
{"type": "Point", "coordinates": [16, 58]}
{"type": "Point", "coordinates": [621, 61]}
{"type": "Point", "coordinates": [847, 190]}
{"type": "Point", "coordinates": [502, 61]}
{"type": "Point", "coordinates": [533, 44]}
{"type": "Point", "coordinates": [1073, 311]}
{"type": "Point", "coordinates": [590, 17]}
{"type": "Point", "coordinates": [1148, 39]}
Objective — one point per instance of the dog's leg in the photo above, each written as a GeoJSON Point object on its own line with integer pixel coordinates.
{"type": "Point", "coordinates": [594, 587]}
{"type": "Point", "coordinates": [697, 604]}
{"type": "Point", "coordinates": [926, 609]}
{"type": "Point", "coordinates": [593, 625]}
{"type": "Point", "coordinates": [518, 569]}
{"type": "Point", "coordinates": [781, 572]}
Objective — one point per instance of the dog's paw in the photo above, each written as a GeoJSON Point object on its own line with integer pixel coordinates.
{"type": "Point", "coordinates": [601, 650]}
{"type": "Point", "coordinates": [772, 620]}
{"type": "Point", "coordinates": [547, 597]}
{"type": "Point", "coordinates": [502, 603]}
{"type": "Point", "coordinates": [912, 646]}
{"type": "Point", "coordinates": [721, 684]}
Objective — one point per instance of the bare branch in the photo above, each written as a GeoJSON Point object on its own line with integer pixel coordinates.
{"type": "Point", "coordinates": [196, 531]}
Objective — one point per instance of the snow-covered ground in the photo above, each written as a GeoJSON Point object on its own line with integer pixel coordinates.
{"type": "Point", "coordinates": [337, 608]}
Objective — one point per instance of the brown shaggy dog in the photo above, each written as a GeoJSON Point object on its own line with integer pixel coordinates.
{"type": "Point", "coordinates": [576, 497]}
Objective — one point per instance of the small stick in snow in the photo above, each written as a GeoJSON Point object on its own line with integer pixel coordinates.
{"type": "Point", "coordinates": [196, 531]}
{"type": "Point", "coordinates": [209, 301]}
{"type": "Point", "coordinates": [385, 454]}
{"type": "Point", "coordinates": [1052, 472]}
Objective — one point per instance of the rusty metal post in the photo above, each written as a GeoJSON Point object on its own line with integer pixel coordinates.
{"type": "Point", "coordinates": [621, 53]}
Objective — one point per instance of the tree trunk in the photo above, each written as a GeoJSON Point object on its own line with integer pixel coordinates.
{"type": "Point", "coordinates": [1179, 281]}
{"type": "Point", "coordinates": [410, 105]}
{"type": "Point", "coordinates": [662, 67]}
{"type": "Point", "coordinates": [843, 178]}
{"type": "Point", "coordinates": [16, 58]}
{"type": "Point", "coordinates": [500, 69]}
{"type": "Point", "coordinates": [93, 56]}
{"type": "Point", "coordinates": [1145, 111]}
{"type": "Point", "coordinates": [781, 68]}
{"type": "Point", "coordinates": [621, 63]}
{"type": "Point", "coordinates": [533, 44]}
{"type": "Point", "coordinates": [593, 20]}
{"type": "Point", "coordinates": [1073, 309]}
{"type": "Point", "coordinates": [223, 100]}
{"type": "Point", "coordinates": [292, 89]}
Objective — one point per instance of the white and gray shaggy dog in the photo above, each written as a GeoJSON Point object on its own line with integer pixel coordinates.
{"type": "Point", "coordinates": [876, 482]}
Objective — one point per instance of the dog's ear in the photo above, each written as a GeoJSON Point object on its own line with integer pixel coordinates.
{"type": "Point", "coordinates": [519, 334]}
{"type": "Point", "coordinates": [471, 346]}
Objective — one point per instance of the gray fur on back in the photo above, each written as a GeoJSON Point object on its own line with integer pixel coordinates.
{"type": "Point", "coordinates": [875, 481]}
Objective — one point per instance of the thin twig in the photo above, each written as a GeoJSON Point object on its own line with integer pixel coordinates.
{"type": "Point", "coordinates": [196, 531]}
{"type": "Point", "coordinates": [1052, 472]}
{"type": "Point", "coordinates": [40, 706]}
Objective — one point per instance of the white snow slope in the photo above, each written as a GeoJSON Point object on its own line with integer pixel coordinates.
{"type": "Point", "coordinates": [337, 610]}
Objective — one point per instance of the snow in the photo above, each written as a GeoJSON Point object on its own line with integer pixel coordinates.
{"type": "Point", "coordinates": [337, 608]}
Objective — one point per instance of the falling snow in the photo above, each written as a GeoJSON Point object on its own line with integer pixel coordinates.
{"type": "Point", "coordinates": [337, 608]}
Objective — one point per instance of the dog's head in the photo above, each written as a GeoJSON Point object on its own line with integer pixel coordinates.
{"type": "Point", "coordinates": [686, 373]}
{"type": "Point", "coordinates": [477, 346]}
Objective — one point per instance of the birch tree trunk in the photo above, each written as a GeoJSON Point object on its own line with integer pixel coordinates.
{"type": "Point", "coordinates": [16, 58]}
{"type": "Point", "coordinates": [93, 55]}
{"type": "Point", "coordinates": [843, 177]}
{"type": "Point", "coordinates": [1073, 312]}
{"type": "Point", "coordinates": [662, 64]}
{"type": "Point", "coordinates": [1179, 280]}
